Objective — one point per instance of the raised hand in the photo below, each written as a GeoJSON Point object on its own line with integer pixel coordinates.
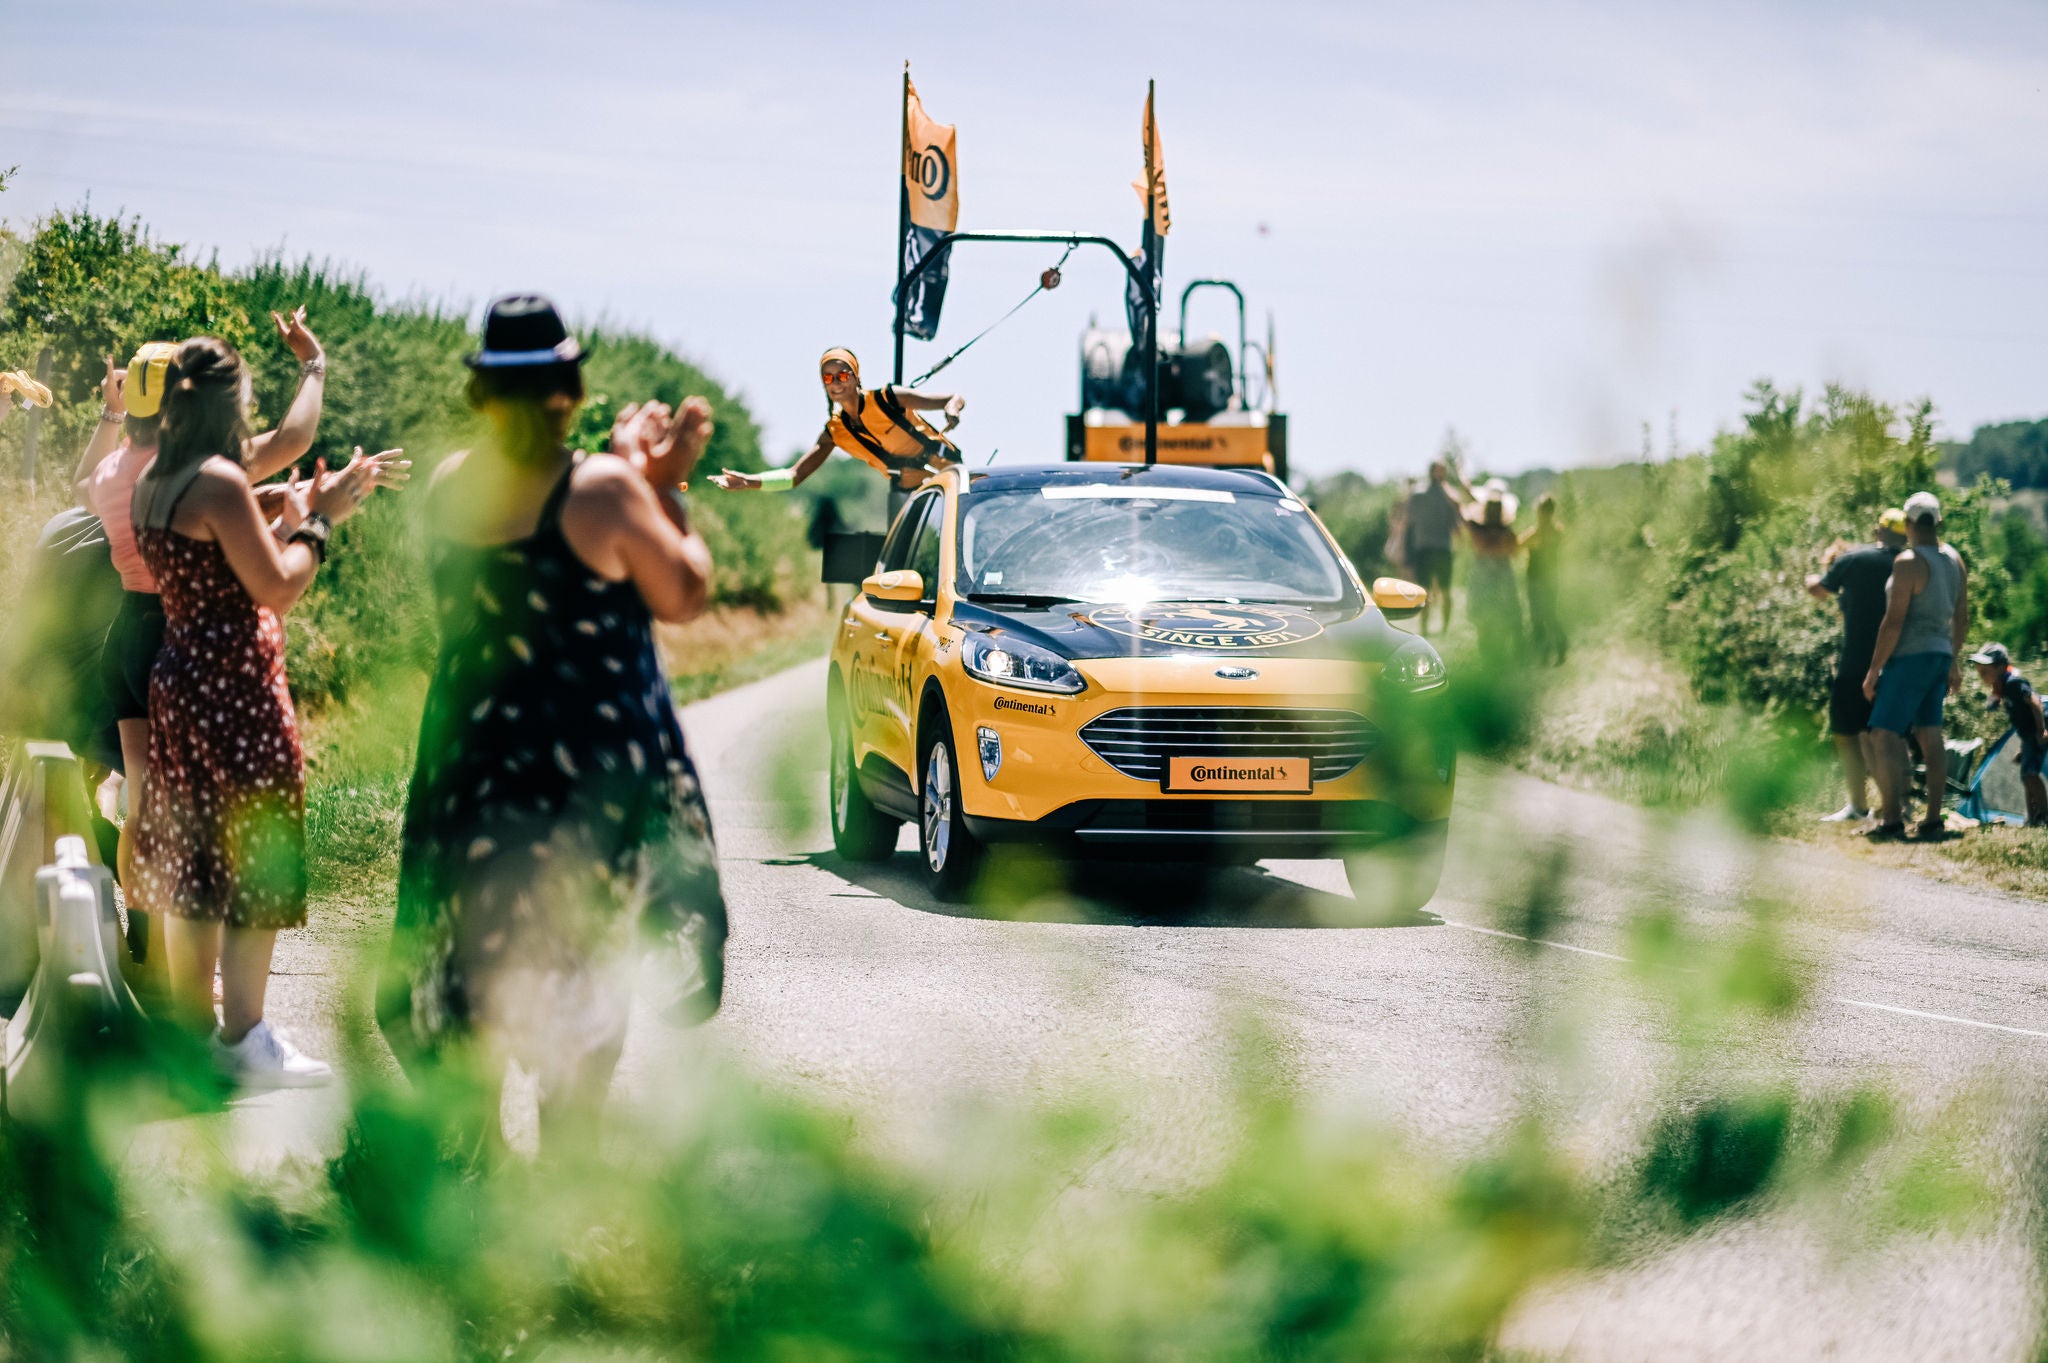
{"type": "Point", "coordinates": [291, 329]}
{"type": "Point", "coordinates": [388, 468]}
{"type": "Point", "coordinates": [638, 428]}
{"type": "Point", "coordinates": [111, 388]}
{"type": "Point", "coordinates": [673, 454]}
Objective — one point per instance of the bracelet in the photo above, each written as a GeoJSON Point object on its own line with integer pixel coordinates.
{"type": "Point", "coordinates": [681, 503]}
{"type": "Point", "coordinates": [112, 417]}
{"type": "Point", "coordinates": [314, 368]}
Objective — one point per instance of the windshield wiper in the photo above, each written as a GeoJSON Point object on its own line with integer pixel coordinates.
{"type": "Point", "coordinates": [1018, 599]}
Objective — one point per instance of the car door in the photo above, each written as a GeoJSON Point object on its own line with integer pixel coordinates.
{"type": "Point", "coordinates": [872, 704]}
{"type": "Point", "coordinates": [905, 627]}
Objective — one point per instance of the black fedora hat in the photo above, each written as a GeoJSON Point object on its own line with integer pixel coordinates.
{"type": "Point", "coordinates": [523, 329]}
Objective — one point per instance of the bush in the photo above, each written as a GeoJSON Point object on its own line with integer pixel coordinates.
{"type": "Point", "coordinates": [1791, 482]}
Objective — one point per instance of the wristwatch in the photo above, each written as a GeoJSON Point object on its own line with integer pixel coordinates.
{"type": "Point", "coordinates": [313, 533]}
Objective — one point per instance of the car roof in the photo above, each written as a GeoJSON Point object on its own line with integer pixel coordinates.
{"type": "Point", "coordinates": [1029, 477]}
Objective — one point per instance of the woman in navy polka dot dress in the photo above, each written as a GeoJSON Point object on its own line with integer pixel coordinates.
{"type": "Point", "coordinates": [220, 838]}
{"type": "Point", "coordinates": [555, 828]}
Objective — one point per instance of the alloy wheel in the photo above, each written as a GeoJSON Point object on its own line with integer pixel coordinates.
{"type": "Point", "coordinates": [938, 806]}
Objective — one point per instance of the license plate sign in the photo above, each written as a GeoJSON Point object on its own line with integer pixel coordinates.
{"type": "Point", "coordinates": [1272, 775]}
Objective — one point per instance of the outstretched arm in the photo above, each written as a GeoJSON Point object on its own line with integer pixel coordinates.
{"type": "Point", "coordinates": [952, 404]}
{"type": "Point", "coordinates": [733, 481]}
{"type": "Point", "coordinates": [106, 435]}
{"type": "Point", "coordinates": [279, 449]}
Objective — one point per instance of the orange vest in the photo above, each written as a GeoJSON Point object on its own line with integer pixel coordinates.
{"type": "Point", "coordinates": [888, 435]}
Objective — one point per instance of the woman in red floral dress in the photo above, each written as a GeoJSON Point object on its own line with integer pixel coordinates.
{"type": "Point", "coordinates": [220, 838]}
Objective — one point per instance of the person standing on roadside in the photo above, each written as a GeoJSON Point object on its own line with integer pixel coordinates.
{"type": "Point", "coordinates": [1856, 576]}
{"type": "Point", "coordinates": [1545, 547]}
{"type": "Point", "coordinates": [2022, 705]}
{"type": "Point", "coordinates": [122, 448]}
{"type": "Point", "coordinates": [1436, 517]}
{"type": "Point", "coordinates": [555, 825]}
{"type": "Point", "coordinates": [220, 837]}
{"type": "Point", "coordinates": [1913, 665]}
{"type": "Point", "coordinates": [1494, 601]}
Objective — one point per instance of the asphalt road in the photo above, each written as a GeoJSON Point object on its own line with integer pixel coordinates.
{"type": "Point", "coordinates": [853, 987]}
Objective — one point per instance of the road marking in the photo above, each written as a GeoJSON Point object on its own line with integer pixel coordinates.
{"type": "Point", "coordinates": [1941, 1017]}
{"type": "Point", "coordinates": [1833, 998]}
{"type": "Point", "coordinates": [1539, 941]}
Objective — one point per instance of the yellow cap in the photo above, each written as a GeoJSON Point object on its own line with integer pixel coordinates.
{"type": "Point", "coordinates": [1892, 519]}
{"type": "Point", "coordinates": [143, 390]}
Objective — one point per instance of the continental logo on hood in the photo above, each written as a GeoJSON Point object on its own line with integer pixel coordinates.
{"type": "Point", "coordinates": [1219, 627]}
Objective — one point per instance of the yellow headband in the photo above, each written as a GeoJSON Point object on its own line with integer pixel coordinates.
{"type": "Point", "coordinates": [142, 392]}
{"type": "Point", "coordinates": [844, 356]}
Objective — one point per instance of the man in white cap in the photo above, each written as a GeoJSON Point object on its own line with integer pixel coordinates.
{"type": "Point", "coordinates": [1913, 667]}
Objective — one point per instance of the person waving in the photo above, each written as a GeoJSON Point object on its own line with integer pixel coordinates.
{"type": "Point", "coordinates": [878, 426]}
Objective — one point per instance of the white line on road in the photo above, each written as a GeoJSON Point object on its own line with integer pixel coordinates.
{"type": "Point", "coordinates": [1538, 941]}
{"type": "Point", "coordinates": [1837, 998]}
{"type": "Point", "coordinates": [1942, 1017]}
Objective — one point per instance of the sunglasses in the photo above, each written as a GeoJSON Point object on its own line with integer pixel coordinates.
{"type": "Point", "coordinates": [836, 375]}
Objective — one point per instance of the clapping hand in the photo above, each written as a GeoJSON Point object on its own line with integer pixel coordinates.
{"type": "Point", "coordinates": [338, 495]}
{"type": "Point", "coordinates": [664, 447]}
{"type": "Point", "coordinates": [291, 329]}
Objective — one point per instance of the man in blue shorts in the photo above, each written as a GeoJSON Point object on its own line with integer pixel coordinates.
{"type": "Point", "coordinates": [1857, 577]}
{"type": "Point", "coordinates": [2022, 705]}
{"type": "Point", "coordinates": [1913, 666]}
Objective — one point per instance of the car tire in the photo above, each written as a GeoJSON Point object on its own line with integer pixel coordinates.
{"type": "Point", "coordinates": [860, 832]}
{"type": "Point", "coordinates": [1399, 876]}
{"type": "Point", "coordinates": [952, 855]}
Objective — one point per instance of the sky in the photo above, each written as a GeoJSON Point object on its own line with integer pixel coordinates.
{"type": "Point", "coordinates": [1567, 231]}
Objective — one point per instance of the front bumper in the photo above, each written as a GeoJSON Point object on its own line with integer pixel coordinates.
{"type": "Point", "coordinates": [1207, 828]}
{"type": "Point", "coordinates": [1053, 786]}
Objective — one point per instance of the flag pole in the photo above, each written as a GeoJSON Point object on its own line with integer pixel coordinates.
{"type": "Point", "coordinates": [1152, 282]}
{"type": "Point", "coordinates": [902, 214]}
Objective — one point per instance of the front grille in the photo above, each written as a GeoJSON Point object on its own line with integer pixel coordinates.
{"type": "Point", "coordinates": [1138, 741]}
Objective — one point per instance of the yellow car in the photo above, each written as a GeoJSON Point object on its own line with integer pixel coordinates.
{"type": "Point", "coordinates": [1120, 660]}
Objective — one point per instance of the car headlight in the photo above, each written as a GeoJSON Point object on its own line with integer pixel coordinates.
{"type": "Point", "coordinates": [1416, 666]}
{"type": "Point", "coordinates": [1012, 662]}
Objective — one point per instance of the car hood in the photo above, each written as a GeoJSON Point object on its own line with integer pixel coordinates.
{"type": "Point", "coordinates": [1082, 631]}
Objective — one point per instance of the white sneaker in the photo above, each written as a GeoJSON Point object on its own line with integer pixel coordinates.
{"type": "Point", "coordinates": [1846, 814]}
{"type": "Point", "coordinates": [264, 1059]}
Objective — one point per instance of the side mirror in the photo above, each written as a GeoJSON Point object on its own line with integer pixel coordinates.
{"type": "Point", "coordinates": [903, 586]}
{"type": "Point", "coordinates": [1398, 599]}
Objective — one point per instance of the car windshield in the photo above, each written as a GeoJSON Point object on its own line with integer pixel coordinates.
{"type": "Point", "coordinates": [1116, 542]}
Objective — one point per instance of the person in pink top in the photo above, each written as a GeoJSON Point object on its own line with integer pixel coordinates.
{"type": "Point", "coordinates": [121, 451]}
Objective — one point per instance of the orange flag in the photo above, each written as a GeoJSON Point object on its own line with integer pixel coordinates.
{"type": "Point", "coordinates": [930, 170]}
{"type": "Point", "coordinates": [1153, 183]}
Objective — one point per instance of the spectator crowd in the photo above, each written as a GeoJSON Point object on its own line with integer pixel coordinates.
{"type": "Point", "coordinates": [555, 835]}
